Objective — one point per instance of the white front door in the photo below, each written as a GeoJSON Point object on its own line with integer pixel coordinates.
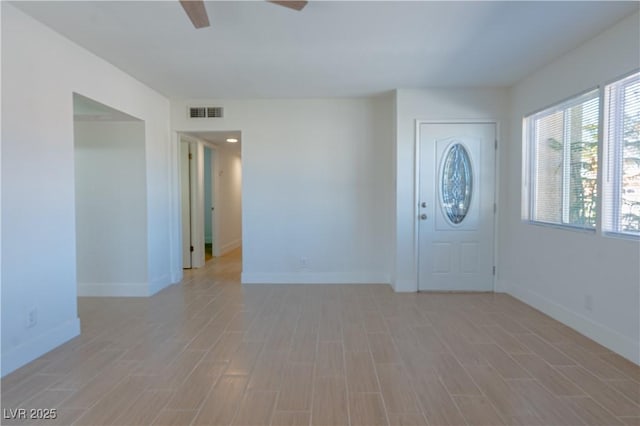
{"type": "Point", "coordinates": [456, 206]}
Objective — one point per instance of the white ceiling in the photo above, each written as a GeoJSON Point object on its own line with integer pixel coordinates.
{"type": "Point", "coordinates": [330, 48]}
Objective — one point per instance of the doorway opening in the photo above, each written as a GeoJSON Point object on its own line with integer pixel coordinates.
{"type": "Point", "coordinates": [211, 195]}
{"type": "Point", "coordinates": [110, 200]}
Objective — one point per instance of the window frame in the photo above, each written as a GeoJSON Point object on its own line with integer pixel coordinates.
{"type": "Point", "coordinates": [530, 161]}
{"type": "Point", "coordinates": [612, 153]}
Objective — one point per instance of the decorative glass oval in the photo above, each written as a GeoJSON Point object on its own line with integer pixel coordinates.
{"type": "Point", "coordinates": [456, 183]}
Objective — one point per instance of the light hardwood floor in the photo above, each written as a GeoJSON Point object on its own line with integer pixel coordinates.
{"type": "Point", "coordinates": [212, 352]}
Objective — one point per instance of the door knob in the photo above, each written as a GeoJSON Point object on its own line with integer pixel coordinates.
{"type": "Point", "coordinates": [423, 204]}
{"type": "Point", "coordinates": [423, 216]}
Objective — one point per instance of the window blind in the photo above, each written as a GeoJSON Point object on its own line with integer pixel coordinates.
{"type": "Point", "coordinates": [622, 142]}
{"type": "Point", "coordinates": [564, 157]}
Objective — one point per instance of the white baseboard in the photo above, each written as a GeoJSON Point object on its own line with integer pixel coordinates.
{"type": "Point", "coordinates": [304, 277]}
{"type": "Point", "coordinates": [602, 334]}
{"type": "Point", "coordinates": [38, 346]}
{"type": "Point", "coordinates": [230, 246]}
{"type": "Point", "coordinates": [113, 290]}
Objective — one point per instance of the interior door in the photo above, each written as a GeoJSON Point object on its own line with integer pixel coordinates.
{"type": "Point", "coordinates": [456, 206]}
{"type": "Point", "coordinates": [213, 184]}
{"type": "Point", "coordinates": [185, 192]}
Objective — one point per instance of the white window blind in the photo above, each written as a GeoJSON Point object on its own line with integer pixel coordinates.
{"type": "Point", "coordinates": [563, 143]}
{"type": "Point", "coordinates": [622, 149]}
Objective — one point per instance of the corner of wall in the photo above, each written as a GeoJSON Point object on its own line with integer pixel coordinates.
{"type": "Point", "coordinates": [163, 282]}
{"type": "Point", "coordinates": [602, 334]}
{"type": "Point", "coordinates": [23, 354]}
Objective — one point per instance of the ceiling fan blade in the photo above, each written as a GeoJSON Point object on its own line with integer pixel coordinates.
{"type": "Point", "coordinates": [196, 12]}
{"type": "Point", "coordinates": [291, 4]}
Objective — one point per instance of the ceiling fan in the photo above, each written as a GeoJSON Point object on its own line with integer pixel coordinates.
{"type": "Point", "coordinates": [198, 14]}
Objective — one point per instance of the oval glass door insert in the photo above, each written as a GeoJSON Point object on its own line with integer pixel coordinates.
{"type": "Point", "coordinates": [456, 183]}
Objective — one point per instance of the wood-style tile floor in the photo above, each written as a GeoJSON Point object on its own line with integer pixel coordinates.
{"type": "Point", "coordinates": [212, 352]}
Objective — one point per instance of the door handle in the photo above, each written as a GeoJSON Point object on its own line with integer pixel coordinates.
{"type": "Point", "coordinates": [423, 216]}
{"type": "Point", "coordinates": [423, 205]}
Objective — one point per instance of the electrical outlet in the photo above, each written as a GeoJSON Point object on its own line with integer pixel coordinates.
{"type": "Point", "coordinates": [32, 317]}
{"type": "Point", "coordinates": [588, 302]}
{"type": "Point", "coordinates": [304, 262]}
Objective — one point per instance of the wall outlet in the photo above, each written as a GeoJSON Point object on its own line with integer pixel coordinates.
{"type": "Point", "coordinates": [588, 302]}
{"type": "Point", "coordinates": [304, 262]}
{"type": "Point", "coordinates": [32, 317]}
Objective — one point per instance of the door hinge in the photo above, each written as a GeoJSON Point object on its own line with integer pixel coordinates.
{"type": "Point", "coordinates": [495, 208]}
{"type": "Point", "coordinates": [496, 144]}
{"type": "Point", "coordinates": [190, 156]}
{"type": "Point", "coordinates": [494, 270]}
{"type": "Point", "coordinates": [191, 249]}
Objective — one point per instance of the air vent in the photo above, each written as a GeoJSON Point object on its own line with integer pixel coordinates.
{"type": "Point", "coordinates": [214, 112]}
{"type": "Point", "coordinates": [206, 112]}
{"type": "Point", "coordinates": [197, 112]}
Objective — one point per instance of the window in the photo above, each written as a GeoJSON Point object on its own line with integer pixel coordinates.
{"type": "Point", "coordinates": [563, 162]}
{"type": "Point", "coordinates": [621, 207]}
{"type": "Point", "coordinates": [562, 178]}
{"type": "Point", "coordinates": [456, 184]}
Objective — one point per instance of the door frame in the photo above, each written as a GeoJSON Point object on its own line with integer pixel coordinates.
{"type": "Point", "coordinates": [197, 198]}
{"type": "Point", "coordinates": [416, 191]}
{"type": "Point", "coordinates": [186, 200]}
{"type": "Point", "coordinates": [196, 228]}
{"type": "Point", "coordinates": [215, 195]}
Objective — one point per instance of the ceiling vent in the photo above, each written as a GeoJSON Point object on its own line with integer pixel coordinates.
{"type": "Point", "coordinates": [206, 112]}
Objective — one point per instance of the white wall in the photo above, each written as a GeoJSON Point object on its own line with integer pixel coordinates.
{"type": "Point", "coordinates": [40, 71]}
{"type": "Point", "coordinates": [429, 104]}
{"type": "Point", "coordinates": [554, 269]}
{"type": "Point", "coordinates": [316, 184]}
{"type": "Point", "coordinates": [111, 208]}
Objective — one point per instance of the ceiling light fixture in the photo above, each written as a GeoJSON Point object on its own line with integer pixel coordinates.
{"type": "Point", "coordinates": [232, 140]}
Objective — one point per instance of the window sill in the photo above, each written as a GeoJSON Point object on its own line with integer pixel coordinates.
{"type": "Point", "coordinates": [621, 236]}
{"type": "Point", "coordinates": [563, 227]}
